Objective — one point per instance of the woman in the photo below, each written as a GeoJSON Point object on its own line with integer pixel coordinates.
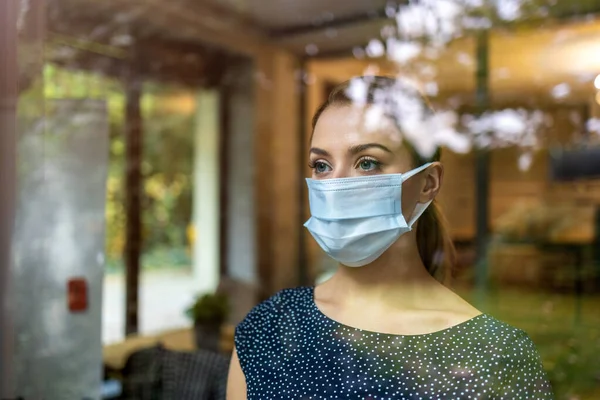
{"type": "Point", "coordinates": [384, 326]}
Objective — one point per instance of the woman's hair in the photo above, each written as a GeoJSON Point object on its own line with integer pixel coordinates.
{"type": "Point", "coordinates": [433, 239]}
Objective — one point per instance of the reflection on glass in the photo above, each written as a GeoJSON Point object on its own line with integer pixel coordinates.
{"type": "Point", "coordinates": [215, 115]}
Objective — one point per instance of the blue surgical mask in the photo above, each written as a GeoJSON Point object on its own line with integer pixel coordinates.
{"type": "Point", "coordinates": [355, 220]}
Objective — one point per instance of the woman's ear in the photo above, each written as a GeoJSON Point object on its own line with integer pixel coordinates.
{"type": "Point", "coordinates": [433, 178]}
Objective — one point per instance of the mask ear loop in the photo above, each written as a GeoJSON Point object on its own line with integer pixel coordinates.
{"type": "Point", "coordinates": [420, 207]}
{"type": "Point", "coordinates": [419, 210]}
{"type": "Point", "coordinates": [415, 171]}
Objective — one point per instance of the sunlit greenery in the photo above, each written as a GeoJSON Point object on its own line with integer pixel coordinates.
{"type": "Point", "coordinates": [569, 348]}
{"type": "Point", "coordinates": [167, 163]}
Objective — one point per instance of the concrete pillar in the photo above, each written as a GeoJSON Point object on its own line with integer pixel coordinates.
{"type": "Point", "coordinates": [206, 194]}
{"type": "Point", "coordinates": [242, 280]}
{"type": "Point", "coordinates": [8, 149]}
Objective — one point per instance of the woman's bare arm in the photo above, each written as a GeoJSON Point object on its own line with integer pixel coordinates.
{"type": "Point", "coordinates": [236, 382]}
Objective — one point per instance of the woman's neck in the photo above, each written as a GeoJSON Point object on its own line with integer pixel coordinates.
{"type": "Point", "coordinates": [398, 277]}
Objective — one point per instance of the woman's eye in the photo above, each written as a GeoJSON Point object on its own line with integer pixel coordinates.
{"type": "Point", "coordinates": [321, 167]}
{"type": "Point", "coordinates": [368, 165]}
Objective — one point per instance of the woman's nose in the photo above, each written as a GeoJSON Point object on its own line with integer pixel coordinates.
{"type": "Point", "coordinates": [338, 175]}
{"type": "Point", "coordinates": [342, 172]}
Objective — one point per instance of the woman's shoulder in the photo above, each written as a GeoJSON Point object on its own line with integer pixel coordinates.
{"type": "Point", "coordinates": [259, 332]}
{"type": "Point", "coordinates": [510, 339]}
{"type": "Point", "coordinates": [500, 328]}
{"type": "Point", "coordinates": [281, 303]}
{"type": "Point", "coordinates": [287, 298]}
{"type": "Point", "coordinates": [520, 370]}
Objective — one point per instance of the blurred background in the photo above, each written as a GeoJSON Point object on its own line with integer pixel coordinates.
{"type": "Point", "coordinates": [153, 156]}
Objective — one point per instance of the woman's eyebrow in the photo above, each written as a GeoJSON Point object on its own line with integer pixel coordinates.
{"type": "Point", "coordinates": [362, 147]}
{"type": "Point", "coordinates": [318, 151]}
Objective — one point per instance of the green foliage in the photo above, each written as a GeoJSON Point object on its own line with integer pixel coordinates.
{"type": "Point", "coordinates": [209, 309]}
{"type": "Point", "coordinates": [535, 222]}
{"type": "Point", "coordinates": [176, 258]}
{"type": "Point", "coordinates": [571, 359]}
{"type": "Point", "coordinates": [166, 257]}
{"type": "Point", "coordinates": [167, 167]}
{"type": "Point", "coordinates": [167, 161]}
{"type": "Point", "coordinates": [569, 350]}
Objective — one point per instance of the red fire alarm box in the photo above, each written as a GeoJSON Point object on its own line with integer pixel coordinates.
{"type": "Point", "coordinates": [77, 294]}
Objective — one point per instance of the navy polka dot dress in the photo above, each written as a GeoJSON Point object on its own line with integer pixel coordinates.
{"type": "Point", "coordinates": [288, 349]}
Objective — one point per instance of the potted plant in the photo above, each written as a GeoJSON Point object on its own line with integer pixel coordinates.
{"type": "Point", "coordinates": [209, 312]}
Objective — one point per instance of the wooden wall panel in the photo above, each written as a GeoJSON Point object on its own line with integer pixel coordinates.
{"type": "Point", "coordinates": [511, 186]}
{"type": "Point", "coordinates": [284, 166]}
{"type": "Point", "coordinates": [578, 192]}
{"type": "Point", "coordinates": [457, 197]}
{"type": "Point", "coordinates": [315, 96]}
{"type": "Point", "coordinates": [263, 184]}
{"type": "Point", "coordinates": [277, 170]}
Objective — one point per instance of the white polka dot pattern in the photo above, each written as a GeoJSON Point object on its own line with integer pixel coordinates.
{"type": "Point", "coordinates": [288, 349]}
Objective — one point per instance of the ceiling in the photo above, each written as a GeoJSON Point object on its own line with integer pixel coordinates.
{"type": "Point", "coordinates": [310, 28]}
{"type": "Point", "coordinates": [201, 34]}
{"type": "Point", "coordinates": [275, 15]}
{"type": "Point", "coordinates": [554, 65]}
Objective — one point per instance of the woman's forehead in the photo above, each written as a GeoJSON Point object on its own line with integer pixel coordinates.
{"type": "Point", "coordinates": [350, 125]}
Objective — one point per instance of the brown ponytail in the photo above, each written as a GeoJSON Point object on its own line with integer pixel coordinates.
{"type": "Point", "coordinates": [433, 239]}
{"type": "Point", "coordinates": [435, 244]}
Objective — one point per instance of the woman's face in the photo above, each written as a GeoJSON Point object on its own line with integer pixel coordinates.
{"type": "Point", "coordinates": [346, 143]}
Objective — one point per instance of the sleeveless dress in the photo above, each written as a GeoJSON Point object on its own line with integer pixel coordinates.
{"type": "Point", "coordinates": [288, 349]}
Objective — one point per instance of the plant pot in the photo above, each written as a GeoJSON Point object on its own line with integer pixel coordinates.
{"type": "Point", "coordinates": [208, 336]}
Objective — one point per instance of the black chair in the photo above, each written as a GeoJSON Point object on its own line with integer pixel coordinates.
{"type": "Point", "coordinates": [160, 374]}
